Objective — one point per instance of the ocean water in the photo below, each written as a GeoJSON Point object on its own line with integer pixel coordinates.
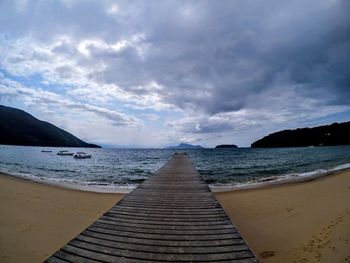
{"type": "Point", "coordinates": [113, 170]}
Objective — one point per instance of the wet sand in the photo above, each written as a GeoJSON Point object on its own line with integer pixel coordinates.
{"type": "Point", "coordinates": [297, 222]}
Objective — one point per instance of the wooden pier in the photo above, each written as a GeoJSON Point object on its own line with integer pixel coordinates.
{"type": "Point", "coordinates": [171, 217]}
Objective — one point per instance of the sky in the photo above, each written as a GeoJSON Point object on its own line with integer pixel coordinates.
{"type": "Point", "coordinates": [157, 73]}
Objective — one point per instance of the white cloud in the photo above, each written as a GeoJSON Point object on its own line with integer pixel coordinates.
{"type": "Point", "coordinates": [50, 100]}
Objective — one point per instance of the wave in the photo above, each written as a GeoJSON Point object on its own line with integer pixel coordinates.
{"type": "Point", "coordinates": [73, 184]}
{"type": "Point", "coordinates": [281, 179]}
{"type": "Point", "coordinates": [130, 183]}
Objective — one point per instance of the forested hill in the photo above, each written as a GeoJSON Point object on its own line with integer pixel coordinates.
{"type": "Point", "coordinates": [334, 134]}
{"type": "Point", "coordinates": [18, 127]}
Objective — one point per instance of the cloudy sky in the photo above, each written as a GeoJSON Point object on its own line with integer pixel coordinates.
{"type": "Point", "coordinates": [156, 73]}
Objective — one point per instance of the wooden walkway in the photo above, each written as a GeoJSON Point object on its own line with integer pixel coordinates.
{"type": "Point", "coordinates": [171, 217]}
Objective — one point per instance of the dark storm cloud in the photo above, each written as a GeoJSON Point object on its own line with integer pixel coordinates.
{"type": "Point", "coordinates": [212, 56]}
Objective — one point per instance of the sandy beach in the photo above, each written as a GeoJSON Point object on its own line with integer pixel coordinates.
{"type": "Point", "coordinates": [37, 219]}
{"type": "Point", "coordinates": [297, 222]}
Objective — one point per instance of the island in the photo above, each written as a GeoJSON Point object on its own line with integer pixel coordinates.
{"type": "Point", "coordinates": [328, 135]}
{"type": "Point", "coordinates": [185, 146]}
{"type": "Point", "coordinates": [18, 127]}
{"type": "Point", "coordinates": [226, 146]}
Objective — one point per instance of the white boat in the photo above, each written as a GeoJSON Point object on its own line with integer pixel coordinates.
{"type": "Point", "coordinates": [81, 155]}
{"type": "Point", "coordinates": [64, 152]}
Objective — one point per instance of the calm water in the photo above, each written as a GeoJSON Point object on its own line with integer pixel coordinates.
{"type": "Point", "coordinates": [109, 169]}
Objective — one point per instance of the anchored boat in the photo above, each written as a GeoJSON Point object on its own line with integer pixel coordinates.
{"type": "Point", "coordinates": [81, 155]}
{"type": "Point", "coordinates": [64, 152]}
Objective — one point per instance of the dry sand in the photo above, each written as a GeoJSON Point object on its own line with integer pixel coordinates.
{"type": "Point", "coordinates": [300, 222]}
{"type": "Point", "coordinates": [37, 219]}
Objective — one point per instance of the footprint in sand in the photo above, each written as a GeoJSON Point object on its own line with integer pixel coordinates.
{"type": "Point", "coordinates": [27, 229]}
{"type": "Point", "coordinates": [267, 254]}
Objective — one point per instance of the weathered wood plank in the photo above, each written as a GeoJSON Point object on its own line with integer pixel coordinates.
{"type": "Point", "coordinates": [71, 257]}
{"type": "Point", "coordinates": [168, 210]}
{"type": "Point", "coordinates": [167, 223]}
{"type": "Point", "coordinates": [109, 253]}
{"type": "Point", "coordinates": [165, 231]}
{"type": "Point", "coordinates": [166, 227]}
{"type": "Point", "coordinates": [137, 210]}
{"type": "Point", "coordinates": [55, 260]}
{"type": "Point", "coordinates": [162, 215]}
{"type": "Point", "coordinates": [168, 243]}
{"type": "Point", "coordinates": [191, 218]}
{"type": "Point", "coordinates": [163, 249]}
{"type": "Point", "coordinates": [163, 236]}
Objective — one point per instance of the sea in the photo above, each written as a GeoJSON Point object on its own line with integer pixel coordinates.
{"type": "Point", "coordinates": [121, 170]}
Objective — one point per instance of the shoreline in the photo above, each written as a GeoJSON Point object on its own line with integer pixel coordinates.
{"type": "Point", "coordinates": [61, 185]}
{"type": "Point", "coordinates": [265, 183]}
{"type": "Point", "coordinates": [278, 182]}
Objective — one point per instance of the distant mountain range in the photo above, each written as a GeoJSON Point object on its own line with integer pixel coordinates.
{"type": "Point", "coordinates": [328, 135]}
{"type": "Point", "coordinates": [185, 146]}
{"type": "Point", "coordinates": [18, 127]}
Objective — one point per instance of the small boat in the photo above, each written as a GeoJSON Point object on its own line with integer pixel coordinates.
{"type": "Point", "coordinates": [81, 155]}
{"type": "Point", "coordinates": [64, 152]}
{"type": "Point", "coordinates": [46, 151]}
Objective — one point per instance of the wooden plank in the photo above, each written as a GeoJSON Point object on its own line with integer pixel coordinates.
{"type": "Point", "coordinates": [170, 217]}
{"type": "Point", "coordinates": [167, 223]}
{"type": "Point", "coordinates": [167, 215]}
{"type": "Point", "coordinates": [167, 236]}
{"type": "Point", "coordinates": [108, 254]}
{"type": "Point", "coordinates": [165, 231]}
{"type": "Point", "coordinates": [71, 257]}
{"type": "Point", "coordinates": [54, 259]}
{"type": "Point", "coordinates": [167, 243]}
{"type": "Point", "coordinates": [179, 206]}
{"type": "Point", "coordinates": [162, 249]}
{"type": "Point", "coordinates": [170, 212]}
{"type": "Point", "coordinates": [191, 218]}
{"type": "Point", "coordinates": [167, 227]}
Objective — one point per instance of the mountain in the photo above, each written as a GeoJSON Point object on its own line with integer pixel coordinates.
{"type": "Point", "coordinates": [18, 127]}
{"type": "Point", "coordinates": [226, 146]}
{"type": "Point", "coordinates": [185, 146]}
{"type": "Point", "coordinates": [334, 134]}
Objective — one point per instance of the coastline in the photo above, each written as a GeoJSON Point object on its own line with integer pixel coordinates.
{"type": "Point", "coordinates": [262, 183]}
{"type": "Point", "coordinates": [75, 187]}
{"type": "Point", "coordinates": [289, 222]}
{"type": "Point", "coordinates": [283, 180]}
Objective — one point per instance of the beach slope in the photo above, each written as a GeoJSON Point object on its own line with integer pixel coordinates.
{"type": "Point", "coordinates": [38, 219]}
{"type": "Point", "coordinates": [297, 222]}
